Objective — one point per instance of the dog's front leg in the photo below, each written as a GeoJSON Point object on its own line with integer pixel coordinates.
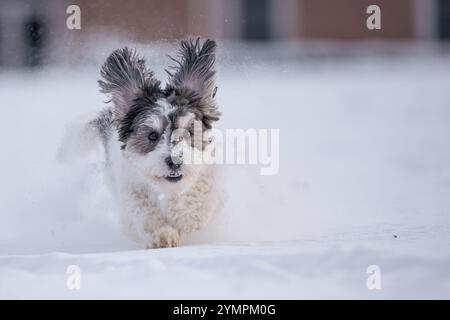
{"type": "Point", "coordinates": [150, 229]}
{"type": "Point", "coordinates": [144, 222]}
{"type": "Point", "coordinates": [166, 237]}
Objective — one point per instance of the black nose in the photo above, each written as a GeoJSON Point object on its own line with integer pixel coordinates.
{"type": "Point", "coordinates": [172, 165]}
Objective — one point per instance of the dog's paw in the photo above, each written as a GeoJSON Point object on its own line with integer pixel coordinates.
{"type": "Point", "coordinates": [168, 238]}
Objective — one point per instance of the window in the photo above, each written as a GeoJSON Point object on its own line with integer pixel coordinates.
{"type": "Point", "coordinates": [256, 19]}
{"type": "Point", "coordinates": [35, 36]}
{"type": "Point", "coordinates": [444, 19]}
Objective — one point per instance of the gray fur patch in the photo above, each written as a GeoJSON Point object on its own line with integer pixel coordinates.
{"type": "Point", "coordinates": [103, 124]}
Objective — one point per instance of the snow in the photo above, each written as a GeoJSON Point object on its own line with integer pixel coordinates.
{"type": "Point", "coordinates": [364, 180]}
{"type": "Point", "coordinates": [252, 271]}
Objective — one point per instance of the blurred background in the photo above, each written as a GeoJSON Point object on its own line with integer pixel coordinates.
{"type": "Point", "coordinates": [364, 158]}
{"type": "Point", "coordinates": [34, 32]}
{"type": "Point", "coordinates": [363, 116]}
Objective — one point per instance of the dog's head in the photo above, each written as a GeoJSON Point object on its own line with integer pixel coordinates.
{"type": "Point", "coordinates": [158, 126]}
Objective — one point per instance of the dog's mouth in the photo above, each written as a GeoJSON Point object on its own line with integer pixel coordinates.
{"type": "Point", "coordinates": [174, 176]}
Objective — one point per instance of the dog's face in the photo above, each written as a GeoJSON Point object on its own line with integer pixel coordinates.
{"type": "Point", "coordinates": [159, 139]}
{"type": "Point", "coordinates": [163, 130]}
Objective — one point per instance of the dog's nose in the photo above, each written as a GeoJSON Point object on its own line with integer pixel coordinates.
{"type": "Point", "coordinates": [172, 165]}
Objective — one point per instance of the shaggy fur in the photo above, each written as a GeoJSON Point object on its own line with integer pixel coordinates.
{"type": "Point", "coordinates": [148, 130]}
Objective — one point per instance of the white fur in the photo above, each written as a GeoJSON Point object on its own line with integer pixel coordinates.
{"type": "Point", "coordinates": [155, 212]}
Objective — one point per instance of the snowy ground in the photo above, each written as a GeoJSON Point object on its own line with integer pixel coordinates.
{"type": "Point", "coordinates": [364, 180]}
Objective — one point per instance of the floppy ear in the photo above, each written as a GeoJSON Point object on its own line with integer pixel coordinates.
{"type": "Point", "coordinates": [192, 78]}
{"type": "Point", "coordinates": [125, 78]}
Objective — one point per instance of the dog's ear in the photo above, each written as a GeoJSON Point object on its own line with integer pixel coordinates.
{"type": "Point", "coordinates": [125, 78]}
{"type": "Point", "coordinates": [193, 77]}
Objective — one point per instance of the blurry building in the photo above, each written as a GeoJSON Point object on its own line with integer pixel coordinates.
{"type": "Point", "coordinates": [267, 19]}
{"type": "Point", "coordinates": [31, 31]}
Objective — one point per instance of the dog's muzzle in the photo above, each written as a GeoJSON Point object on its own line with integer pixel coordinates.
{"type": "Point", "coordinates": [175, 172]}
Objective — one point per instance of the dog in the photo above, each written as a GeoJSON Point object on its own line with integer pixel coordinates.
{"type": "Point", "coordinates": [148, 132]}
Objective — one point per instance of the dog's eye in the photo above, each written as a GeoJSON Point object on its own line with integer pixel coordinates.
{"type": "Point", "coordinates": [153, 136]}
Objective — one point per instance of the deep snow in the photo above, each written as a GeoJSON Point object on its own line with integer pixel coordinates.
{"type": "Point", "coordinates": [364, 180]}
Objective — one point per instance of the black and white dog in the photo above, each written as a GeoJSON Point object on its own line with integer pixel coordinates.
{"type": "Point", "coordinates": [148, 133]}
